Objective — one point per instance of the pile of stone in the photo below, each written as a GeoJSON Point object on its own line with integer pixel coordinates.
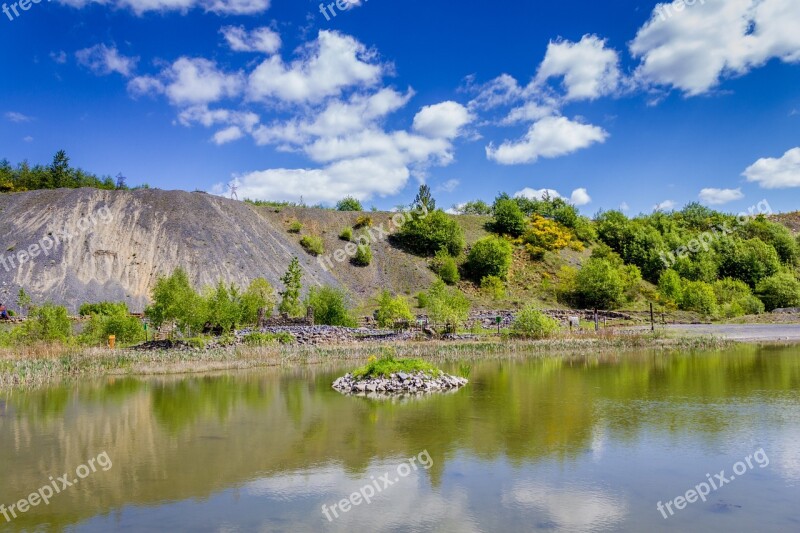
{"type": "Point", "coordinates": [311, 335]}
{"type": "Point", "coordinates": [399, 384]}
{"type": "Point", "coordinates": [161, 345]}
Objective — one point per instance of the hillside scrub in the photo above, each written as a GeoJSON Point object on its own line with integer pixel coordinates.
{"type": "Point", "coordinates": [313, 245]}
{"type": "Point", "coordinates": [426, 234]}
{"type": "Point", "coordinates": [445, 267]}
{"type": "Point", "coordinates": [349, 204]}
{"type": "Point", "coordinates": [490, 256]}
{"type": "Point", "coordinates": [392, 310]}
{"type": "Point", "coordinates": [446, 305]}
{"type": "Point", "coordinates": [778, 291]}
{"type": "Point", "coordinates": [363, 256]}
{"type": "Point", "coordinates": [330, 307]}
{"type": "Point", "coordinates": [530, 323]}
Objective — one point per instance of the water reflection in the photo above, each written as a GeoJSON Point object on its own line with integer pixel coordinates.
{"type": "Point", "coordinates": [194, 447]}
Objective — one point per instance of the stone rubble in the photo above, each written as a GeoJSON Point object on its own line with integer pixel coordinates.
{"type": "Point", "coordinates": [399, 384]}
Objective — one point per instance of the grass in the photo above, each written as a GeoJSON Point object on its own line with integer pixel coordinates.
{"type": "Point", "coordinates": [313, 245]}
{"type": "Point", "coordinates": [388, 364]}
{"type": "Point", "coordinates": [44, 364]}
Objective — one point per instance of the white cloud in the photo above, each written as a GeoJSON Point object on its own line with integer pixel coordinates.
{"type": "Point", "coordinates": [624, 207]}
{"type": "Point", "coordinates": [28, 139]}
{"type": "Point", "coordinates": [771, 173]}
{"type": "Point", "coordinates": [326, 67]}
{"type": "Point", "coordinates": [140, 7]}
{"type": "Point", "coordinates": [443, 120]}
{"type": "Point", "coordinates": [229, 134]}
{"type": "Point", "coordinates": [713, 196]}
{"type": "Point", "coordinates": [258, 40]}
{"type": "Point", "coordinates": [589, 69]}
{"type": "Point", "coordinates": [103, 60]}
{"type": "Point", "coordinates": [13, 116]}
{"type": "Point", "coordinates": [549, 138]}
{"type": "Point", "coordinates": [694, 47]}
{"type": "Point", "coordinates": [189, 81]}
{"type": "Point", "coordinates": [666, 205]}
{"type": "Point", "coordinates": [580, 197]}
{"type": "Point", "coordinates": [448, 186]}
{"type": "Point", "coordinates": [537, 194]}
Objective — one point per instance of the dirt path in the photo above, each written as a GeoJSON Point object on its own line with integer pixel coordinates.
{"type": "Point", "coordinates": [744, 332]}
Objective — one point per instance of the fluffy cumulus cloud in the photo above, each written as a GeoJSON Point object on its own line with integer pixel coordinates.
{"type": "Point", "coordinates": [140, 7]}
{"type": "Point", "coordinates": [693, 47]}
{"type": "Point", "coordinates": [14, 116]}
{"type": "Point", "coordinates": [442, 120]}
{"type": "Point", "coordinates": [579, 197]}
{"type": "Point", "coordinates": [263, 40]}
{"type": "Point", "coordinates": [330, 106]}
{"type": "Point", "coordinates": [666, 205]}
{"type": "Point", "coordinates": [780, 173]}
{"type": "Point", "coordinates": [549, 138]}
{"type": "Point", "coordinates": [104, 60]}
{"type": "Point", "coordinates": [588, 68]}
{"type": "Point", "coordinates": [713, 196]}
{"type": "Point", "coordinates": [327, 66]}
{"type": "Point", "coordinates": [190, 81]}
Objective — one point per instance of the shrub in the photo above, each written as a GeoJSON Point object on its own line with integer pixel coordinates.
{"type": "Point", "coordinates": [493, 287]}
{"type": "Point", "coordinates": [349, 204]}
{"type": "Point", "coordinates": [268, 339]}
{"type": "Point", "coordinates": [670, 286]}
{"type": "Point", "coordinates": [103, 308]}
{"type": "Point", "coordinates": [699, 296]}
{"type": "Point", "coordinates": [750, 261]}
{"type": "Point", "coordinates": [330, 307]}
{"type": "Point", "coordinates": [363, 222]}
{"type": "Point", "coordinates": [549, 235]}
{"type": "Point", "coordinates": [313, 245]}
{"type": "Point", "coordinates": [259, 295]}
{"type": "Point", "coordinates": [446, 267]}
{"type": "Point", "coordinates": [477, 207]}
{"type": "Point", "coordinates": [346, 234]}
{"type": "Point", "coordinates": [391, 310]}
{"type": "Point", "coordinates": [446, 305]}
{"type": "Point", "coordinates": [127, 329]}
{"type": "Point", "coordinates": [363, 256]}
{"type": "Point", "coordinates": [735, 298]}
{"type": "Point", "coordinates": [174, 299]}
{"type": "Point", "coordinates": [427, 234]}
{"type": "Point", "coordinates": [490, 256]}
{"type": "Point", "coordinates": [780, 290]}
{"type": "Point", "coordinates": [508, 218]}
{"type": "Point", "coordinates": [599, 285]}
{"type": "Point", "coordinates": [530, 323]}
{"type": "Point", "coordinates": [48, 323]}
{"type": "Point", "coordinates": [295, 226]}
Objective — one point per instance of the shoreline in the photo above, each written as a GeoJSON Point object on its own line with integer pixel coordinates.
{"type": "Point", "coordinates": [70, 364]}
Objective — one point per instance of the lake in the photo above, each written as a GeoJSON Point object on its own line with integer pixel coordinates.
{"type": "Point", "coordinates": [531, 444]}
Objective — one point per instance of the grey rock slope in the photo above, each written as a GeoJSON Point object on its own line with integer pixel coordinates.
{"type": "Point", "coordinates": [92, 245]}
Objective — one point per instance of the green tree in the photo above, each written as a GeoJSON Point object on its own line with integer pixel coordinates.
{"type": "Point", "coordinates": [259, 295]}
{"type": "Point", "coordinates": [446, 305]}
{"type": "Point", "coordinates": [330, 307]}
{"type": "Point", "coordinates": [670, 286]}
{"type": "Point", "coordinates": [778, 291]}
{"type": "Point", "coordinates": [476, 207]}
{"type": "Point", "coordinates": [392, 309]}
{"type": "Point", "coordinates": [530, 323]}
{"type": "Point", "coordinates": [290, 296]}
{"type": "Point", "coordinates": [59, 170]}
{"type": "Point", "coordinates": [699, 296]}
{"type": "Point", "coordinates": [349, 204]}
{"type": "Point", "coordinates": [599, 285]}
{"type": "Point", "coordinates": [174, 299]}
{"type": "Point", "coordinates": [427, 234]}
{"type": "Point", "coordinates": [424, 199]}
{"type": "Point", "coordinates": [446, 267]}
{"type": "Point", "coordinates": [748, 260]}
{"type": "Point", "coordinates": [48, 323]}
{"type": "Point", "coordinates": [508, 218]}
{"type": "Point", "coordinates": [490, 256]}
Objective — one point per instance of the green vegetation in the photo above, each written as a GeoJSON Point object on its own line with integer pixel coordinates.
{"type": "Point", "coordinates": [59, 174]}
{"type": "Point", "coordinates": [290, 297]}
{"type": "Point", "coordinates": [530, 323]}
{"type": "Point", "coordinates": [388, 364]}
{"type": "Point", "coordinates": [446, 305]}
{"type": "Point", "coordinates": [494, 287]}
{"type": "Point", "coordinates": [490, 256]}
{"type": "Point", "coordinates": [268, 339]}
{"type": "Point", "coordinates": [508, 218]}
{"type": "Point", "coordinates": [363, 256]}
{"type": "Point", "coordinates": [424, 199]}
{"type": "Point", "coordinates": [349, 204]}
{"type": "Point", "coordinates": [103, 309]}
{"type": "Point", "coordinates": [313, 245]}
{"type": "Point", "coordinates": [778, 291]}
{"type": "Point", "coordinates": [295, 227]}
{"type": "Point", "coordinates": [112, 319]}
{"type": "Point", "coordinates": [475, 207]}
{"type": "Point", "coordinates": [364, 221]}
{"type": "Point", "coordinates": [48, 323]}
{"type": "Point", "coordinates": [330, 307]}
{"type": "Point", "coordinates": [446, 267]}
{"type": "Point", "coordinates": [427, 234]}
{"type": "Point", "coordinates": [392, 310]}
{"type": "Point", "coordinates": [24, 301]}
{"type": "Point", "coordinates": [346, 234]}
{"type": "Point", "coordinates": [600, 284]}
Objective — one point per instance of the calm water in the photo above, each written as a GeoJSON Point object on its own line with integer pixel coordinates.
{"type": "Point", "coordinates": [530, 445]}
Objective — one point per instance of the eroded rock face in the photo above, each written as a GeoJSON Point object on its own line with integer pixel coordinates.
{"type": "Point", "coordinates": [399, 384]}
{"type": "Point", "coordinates": [118, 242]}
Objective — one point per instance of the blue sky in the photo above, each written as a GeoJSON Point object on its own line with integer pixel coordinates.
{"type": "Point", "coordinates": [621, 103]}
